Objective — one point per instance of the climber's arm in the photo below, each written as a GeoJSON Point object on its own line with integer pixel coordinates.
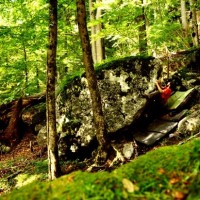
{"type": "Point", "coordinates": [159, 86]}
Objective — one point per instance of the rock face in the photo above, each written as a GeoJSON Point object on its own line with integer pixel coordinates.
{"type": "Point", "coordinates": [190, 125]}
{"type": "Point", "coordinates": [122, 85]}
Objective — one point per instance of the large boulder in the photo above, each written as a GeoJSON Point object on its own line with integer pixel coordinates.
{"type": "Point", "coordinates": [122, 84]}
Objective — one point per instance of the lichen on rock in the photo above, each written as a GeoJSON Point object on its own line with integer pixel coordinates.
{"type": "Point", "coordinates": [122, 84]}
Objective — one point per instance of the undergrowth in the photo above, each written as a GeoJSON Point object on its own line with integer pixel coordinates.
{"type": "Point", "coordinates": [166, 173]}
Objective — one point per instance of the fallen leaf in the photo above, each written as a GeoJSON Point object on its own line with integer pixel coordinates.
{"type": "Point", "coordinates": [179, 195]}
{"type": "Point", "coordinates": [161, 171]}
{"type": "Point", "coordinates": [129, 186]}
{"type": "Point", "coordinates": [174, 180]}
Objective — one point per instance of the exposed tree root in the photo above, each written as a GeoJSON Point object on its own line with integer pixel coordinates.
{"type": "Point", "coordinates": [10, 118]}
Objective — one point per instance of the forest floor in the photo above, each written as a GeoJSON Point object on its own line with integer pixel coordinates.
{"type": "Point", "coordinates": [28, 158]}
{"type": "Point", "coordinates": [30, 150]}
{"type": "Point", "coordinates": [27, 148]}
{"type": "Point", "coordinates": [20, 160]}
{"type": "Point", "coordinates": [26, 162]}
{"type": "Point", "coordinates": [15, 162]}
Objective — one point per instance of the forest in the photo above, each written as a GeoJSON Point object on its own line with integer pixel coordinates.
{"type": "Point", "coordinates": [78, 114]}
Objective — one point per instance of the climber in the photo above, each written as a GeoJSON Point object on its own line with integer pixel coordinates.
{"type": "Point", "coordinates": [157, 100]}
{"type": "Point", "coordinates": [165, 92]}
{"type": "Point", "coordinates": [162, 93]}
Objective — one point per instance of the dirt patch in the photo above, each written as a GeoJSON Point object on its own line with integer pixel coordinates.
{"type": "Point", "coordinates": [27, 149]}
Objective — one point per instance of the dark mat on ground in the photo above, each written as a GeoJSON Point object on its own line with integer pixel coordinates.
{"type": "Point", "coordinates": [154, 131]}
{"type": "Point", "coordinates": [148, 138]}
{"type": "Point", "coordinates": [175, 117]}
{"type": "Point", "coordinates": [161, 126]}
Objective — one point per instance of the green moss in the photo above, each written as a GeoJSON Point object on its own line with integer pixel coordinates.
{"type": "Point", "coordinates": [126, 63]}
{"type": "Point", "coordinates": [161, 174]}
{"type": "Point", "coordinates": [67, 80]}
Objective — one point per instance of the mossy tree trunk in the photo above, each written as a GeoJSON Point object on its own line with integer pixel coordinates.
{"type": "Point", "coordinates": [52, 137]}
{"type": "Point", "coordinates": [101, 131]}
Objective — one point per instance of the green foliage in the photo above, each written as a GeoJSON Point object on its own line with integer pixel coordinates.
{"type": "Point", "coordinates": [165, 173]}
{"type": "Point", "coordinates": [66, 80]}
{"type": "Point", "coordinates": [41, 166]}
{"type": "Point", "coordinates": [23, 47]}
{"type": "Point", "coordinates": [19, 172]}
{"type": "Point", "coordinates": [24, 35]}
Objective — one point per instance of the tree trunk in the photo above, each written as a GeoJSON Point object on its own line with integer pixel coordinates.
{"type": "Point", "coordinates": [98, 48]}
{"type": "Point", "coordinates": [25, 69]}
{"type": "Point", "coordinates": [93, 31]}
{"type": "Point", "coordinates": [37, 78]}
{"type": "Point", "coordinates": [52, 137]}
{"type": "Point", "coordinates": [12, 134]}
{"type": "Point", "coordinates": [99, 43]}
{"type": "Point", "coordinates": [195, 35]}
{"type": "Point", "coordinates": [184, 21]}
{"type": "Point", "coordinates": [184, 16]}
{"type": "Point", "coordinates": [142, 32]}
{"type": "Point", "coordinates": [101, 131]}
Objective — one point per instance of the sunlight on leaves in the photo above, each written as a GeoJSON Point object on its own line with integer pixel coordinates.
{"type": "Point", "coordinates": [24, 179]}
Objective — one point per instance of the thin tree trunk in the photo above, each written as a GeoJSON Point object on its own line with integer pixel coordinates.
{"type": "Point", "coordinates": [37, 77]}
{"type": "Point", "coordinates": [25, 68]}
{"type": "Point", "coordinates": [184, 21]}
{"type": "Point", "coordinates": [99, 43]}
{"type": "Point", "coordinates": [101, 131]}
{"type": "Point", "coordinates": [184, 16]}
{"type": "Point", "coordinates": [93, 31]}
{"type": "Point", "coordinates": [195, 35]}
{"type": "Point", "coordinates": [52, 137]}
{"type": "Point", "coordinates": [142, 32]}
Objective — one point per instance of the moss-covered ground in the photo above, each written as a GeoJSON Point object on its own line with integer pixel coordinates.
{"type": "Point", "coordinates": [170, 172]}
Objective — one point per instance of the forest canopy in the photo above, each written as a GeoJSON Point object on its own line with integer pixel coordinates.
{"type": "Point", "coordinates": [47, 44]}
{"type": "Point", "coordinates": [123, 28]}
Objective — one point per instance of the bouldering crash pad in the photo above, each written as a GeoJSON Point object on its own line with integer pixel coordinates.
{"type": "Point", "coordinates": [161, 126]}
{"type": "Point", "coordinates": [148, 138]}
{"type": "Point", "coordinates": [154, 131]}
{"type": "Point", "coordinates": [175, 117]}
{"type": "Point", "coordinates": [179, 99]}
{"type": "Point", "coordinates": [164, 125]}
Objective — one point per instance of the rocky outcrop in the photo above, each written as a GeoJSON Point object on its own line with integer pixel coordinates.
{"type": "Point", "coordinates": [122, 84]}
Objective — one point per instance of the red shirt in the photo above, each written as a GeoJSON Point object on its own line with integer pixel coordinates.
{"type": "Point", "coordinates": [166, 94]}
